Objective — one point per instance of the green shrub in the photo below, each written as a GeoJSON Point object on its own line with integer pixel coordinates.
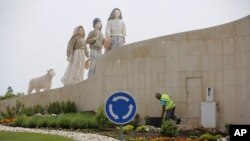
{"type": "Point", "coordinates": [92, 122]}
{"type": "Point", "coordinates": [169, 128]}
{"type": "Point", "coordinates": [135, 122]}
{"type": "Point", "coordinates": [54, 108]}
{"type": "Point", "coordinates": [126, 129]}
{"type": "Point", "coordinates": [69, 107]}
{"type": "Point", "coordinates": [77, 122]}
{"type": "Point", "coordinates": [194, 133]}
{"type": "Point", "coordinates": [38, 109]}
{"type": "Point", "coordinates": [8, 113]}
{"type": "Point", "coordinates": [52, 122]}
{"type": "Point", "coordinates": [19, 121]}
{"type": "Point", "coordinates": [42, 122]}
{"type": "Point", "coordinates": [27, 111]}
{"type": "Point", "coordinates": [61, 107]}
{"type": "Point", "coordinates": [63, 121]}
{"type": "Point", "coordinates": [227, 128]}
{"type": "Point", "coordinates": [66, 121]}
{"type": "Point", "coordinates": [209, 137]}
{"type": "Point", "coordinates": [216, 137]}
{"type": "Point", "coordinates": [141, 129]}
{"type": "Point", "coordinates": [101, 118]}
{"type": "Point", "coordinates": [1, 117]}
{"type": "Point", "coordinates": [30, 122]}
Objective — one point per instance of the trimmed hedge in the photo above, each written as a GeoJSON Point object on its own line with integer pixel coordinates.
{"type": "Point", "coordinates": [65, 121]}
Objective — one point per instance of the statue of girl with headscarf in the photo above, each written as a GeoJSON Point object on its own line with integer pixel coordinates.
{"type": "Point", "coordinates": [76, 53]}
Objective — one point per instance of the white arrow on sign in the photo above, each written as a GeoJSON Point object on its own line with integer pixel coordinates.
{"type": "Point", "coordinates": [112, 113]}
{"type": "Point", "coordinates": [121, 97]}
{"type": "Point", "coordinates": [129, 112]}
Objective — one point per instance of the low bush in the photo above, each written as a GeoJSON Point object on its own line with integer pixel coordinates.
{"type": "Point", "coordinates": [83, 121]}
{"type": "Point", "coordinates": [101, 118]}
{"type": "Point", "coordinates": [30, 122]}
{"type": "Point", "coordinates": [42, 122]}
{"type": "Point", "coordinates": [65, 121]}
{"type": "Point", "coordinates": [209, 137]}
{"type": "Point", "coordinates": [126, 129]}
{"type": "Point", "coordinates": [54, 108]}
{"type": "Point", "coordinates": [68, 107]}
{"type": "Point", "coordinates": [38, 109]}
{"type": "Point", "coordinates": [1, 117]}
{"type": "Point", "coordinates": [227, 129]}
{"type": "Point", "coordinates": [141, 129]}
{"type": "Point", "coordinates": [169, 128]}
{"type": "Point", "coordinates": [27, 111]}
{"type": "Point", "coordinates": [61, 107]}
{"type": "Point", "coordinates": [52, 122]}
{"type": "Point", "coordinates": [19, 121]}
{"type": "Point", "coordinates": [135, 122]}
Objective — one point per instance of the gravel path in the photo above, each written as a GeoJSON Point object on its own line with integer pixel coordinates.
{"type": "Point", "coordinates": [74, 135]}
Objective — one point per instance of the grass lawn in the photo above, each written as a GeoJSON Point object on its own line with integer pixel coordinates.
{"type": "Point", "coordinates": [21, 136]}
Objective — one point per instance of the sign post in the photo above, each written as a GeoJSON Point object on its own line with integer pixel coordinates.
{"type": "Point", "coordinates": [120, 108]}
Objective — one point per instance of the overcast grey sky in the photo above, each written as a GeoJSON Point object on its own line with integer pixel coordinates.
{"type": "Point", "coordinates": [34, 33]}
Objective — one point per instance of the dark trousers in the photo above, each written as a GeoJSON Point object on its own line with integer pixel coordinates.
{"type": "Point", "coordinates": [170, 114]}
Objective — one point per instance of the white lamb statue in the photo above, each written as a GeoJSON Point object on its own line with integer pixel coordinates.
{"type": "Point", "coordinates": [43, 82]}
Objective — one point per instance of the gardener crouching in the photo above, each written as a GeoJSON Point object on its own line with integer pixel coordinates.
{"type": "Point", "coordinates": [168, 106]}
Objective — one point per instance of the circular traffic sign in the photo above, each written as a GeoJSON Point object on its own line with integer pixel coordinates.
{"type": "Point", "coordinates": [120, 108]}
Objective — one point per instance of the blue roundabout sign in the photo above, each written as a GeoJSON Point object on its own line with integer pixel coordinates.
{"type": "Point", "coordinates": [120, 108]}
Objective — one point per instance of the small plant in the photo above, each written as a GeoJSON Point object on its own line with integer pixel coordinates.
{"type": "Point", "coordinates": [19, 121]}
{"type": "Point", "coordinates": [141, 129]}
{"type": "Point", "coordinates": [101, 118]}
{"type": "Point", "coordinates": [227, 128]}
{"type": "Point", "coordinates": [135, 122]}
{"type": "Point", "coordinates": [146, 118]}
{"type": "Point", "coordinates": [19, 107]}
{"type": "Point", "coordinates": [41, 122]}
{"type": "Point", "coordinates": [83, 121]}
{"type": "Point", "coordinates": [27, 111]}
{"type": "Point", "coordinates": [209, 137]}
{"type": "Point", "coordinates": [63, 121]}
{"type": "Point", "coordinates": [8, 113]}
{"type": "Point", "coordinates": [30, 122]}
{"type": "Point", "coordinates": [169, 128]}
{"type": "Point", "coordinates": [52, 122]}
{"type": "Point", "coordinates": [126, 129]}
{"type": "Point", "coordinates": [69, 107]}
{"type": "Point", "coordinates": [54, 108]}
{"type": "Point", "coordinates": [1, 117]}
{"type": "Point", "coordinates": [38, 109]}
{"type": "Point", "coordinates": [61, 107]}
{"type": "Point", "coordinates": [194, 134]}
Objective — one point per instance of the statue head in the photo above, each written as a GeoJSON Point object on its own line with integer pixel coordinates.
{"type": "Point", "coordinates": [79, 30]}
{"type": "Point", "coordinates": [115, 14]}
{"type": "Point", "coordinates": [97, 23]}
